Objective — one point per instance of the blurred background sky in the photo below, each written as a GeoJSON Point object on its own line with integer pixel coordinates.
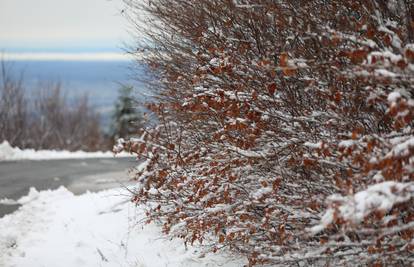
{"type": "Point", "coordinates": [76, 43]}
{"type": "Point", "coordinates": [62, 26]}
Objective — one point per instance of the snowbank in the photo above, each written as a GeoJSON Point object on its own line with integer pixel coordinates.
{"type": "Point", "coordinates": [9, 153]}
{"type": "Point", "coordinates": [57, 228]}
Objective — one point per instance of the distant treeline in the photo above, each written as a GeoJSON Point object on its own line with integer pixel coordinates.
{"type": "Point", "coordinates": [48, 120]}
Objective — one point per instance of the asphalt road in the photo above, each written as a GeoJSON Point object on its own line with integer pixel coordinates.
{"type": "Point", "coordinates": [78, 175]}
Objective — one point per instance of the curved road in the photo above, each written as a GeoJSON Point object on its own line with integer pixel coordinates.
{"type": "Point", "coordinates": [78, 175]}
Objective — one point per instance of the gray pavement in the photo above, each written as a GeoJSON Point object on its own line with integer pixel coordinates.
{"type": "Point", "coordinates": [78, 175]}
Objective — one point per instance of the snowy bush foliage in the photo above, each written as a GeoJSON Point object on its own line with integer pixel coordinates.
{"type": "Point", "coordinates": [285, 128]}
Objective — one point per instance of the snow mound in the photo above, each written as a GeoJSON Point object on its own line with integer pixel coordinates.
{"type": "Point", "coordinates": [57, 228]}
{"type": "Point", "coordinates": [9, 153]}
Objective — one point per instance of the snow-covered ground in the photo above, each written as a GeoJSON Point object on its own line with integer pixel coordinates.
{"type": "Point", "coordinates": [57, 228]}
{"type": "Point", "coordinates": [9, 153]}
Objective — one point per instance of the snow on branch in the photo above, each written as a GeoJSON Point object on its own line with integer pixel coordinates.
{"type": "Point", "coordinates": [353, 209]}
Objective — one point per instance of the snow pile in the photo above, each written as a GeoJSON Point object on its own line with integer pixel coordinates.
{"type": "Point", "coordinates": [378, 197]}
{"type": "Point", "coordinates": [57, 228]}
{"type": "Point", "coordinates": [32, 195]}
{"type": "Point", "coordinates": [9, 153]}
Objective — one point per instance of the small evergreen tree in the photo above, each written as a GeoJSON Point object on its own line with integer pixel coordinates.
{"type": "Point", "coordinates": [126, 119]}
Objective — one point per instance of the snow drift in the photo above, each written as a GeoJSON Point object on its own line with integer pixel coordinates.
{"type": "Point", "coordinates": [57, 228]}
{"type": "Point", "coordinates": [9, 153]}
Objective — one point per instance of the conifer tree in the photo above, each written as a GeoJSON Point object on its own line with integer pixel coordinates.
{"type": "Point", "coordinates": [126, 119]}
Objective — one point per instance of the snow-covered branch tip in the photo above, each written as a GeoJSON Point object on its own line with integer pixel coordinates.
{"type": "Point", "coordinates": [352, 210]}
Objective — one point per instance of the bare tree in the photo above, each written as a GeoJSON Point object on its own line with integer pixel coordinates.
{"type": "Point", "coordinates": [13, 108]}
{"type": "Point", "coordinates": [60, 124]}
{"type": "Point", "coordinates": [50, 121]}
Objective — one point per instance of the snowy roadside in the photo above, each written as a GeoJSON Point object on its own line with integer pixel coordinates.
{"type": "Point", "coordinates": [9, 153]}
{"type": "Point", "coordinates": [57, 228]}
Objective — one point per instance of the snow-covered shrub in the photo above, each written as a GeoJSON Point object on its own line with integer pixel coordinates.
{"type": "Point", "coordinates": [272, 112]}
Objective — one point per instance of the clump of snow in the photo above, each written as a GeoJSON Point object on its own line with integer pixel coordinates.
{"type": "Point", "coordinates": [378, 197]}
{"type": "Point", "coordinates": [9, 153]}
{"type": "Point", "coordinates": [346, 143]}
{"type": "Point", "coordinates": [318, 145]}
{"type": "Point", "coordinates": [7, 201]}
{"type": "Point", "coordinates": [394, 96]}
{"type": "Point", "coordinates": [326, 220]}
{"type": "Point", "coordinates": [119, 146]}
{"type": "Point", "coordinates": [33, 195]}
{"type": "Point", "coordinates": [261, 192]}
{"type": "Point", "coordinates": [394, 58]}
{"type": "Point", "coordinates": [385, 73]}
{"type": "Point", "coordinates": [57, 228]}
{"type": "Point", "coordinates": [403, 148]}
{"type": "Point", "coordinates": [215, 62]}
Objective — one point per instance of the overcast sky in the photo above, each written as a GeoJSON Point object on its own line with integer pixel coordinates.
{"type": "Point", "coordinates": [61, 24]}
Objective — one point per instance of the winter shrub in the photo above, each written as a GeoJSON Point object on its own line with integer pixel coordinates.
{"type": "Point", "coordinates": [285, 128]}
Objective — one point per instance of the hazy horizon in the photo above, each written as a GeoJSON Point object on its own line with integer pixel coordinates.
{"type": "Point", "coordinates": [65, 56]}
{"type": "Point", "coordinates": [60, 26]}
{"type": "Point", "coordinates": [78, 43]}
